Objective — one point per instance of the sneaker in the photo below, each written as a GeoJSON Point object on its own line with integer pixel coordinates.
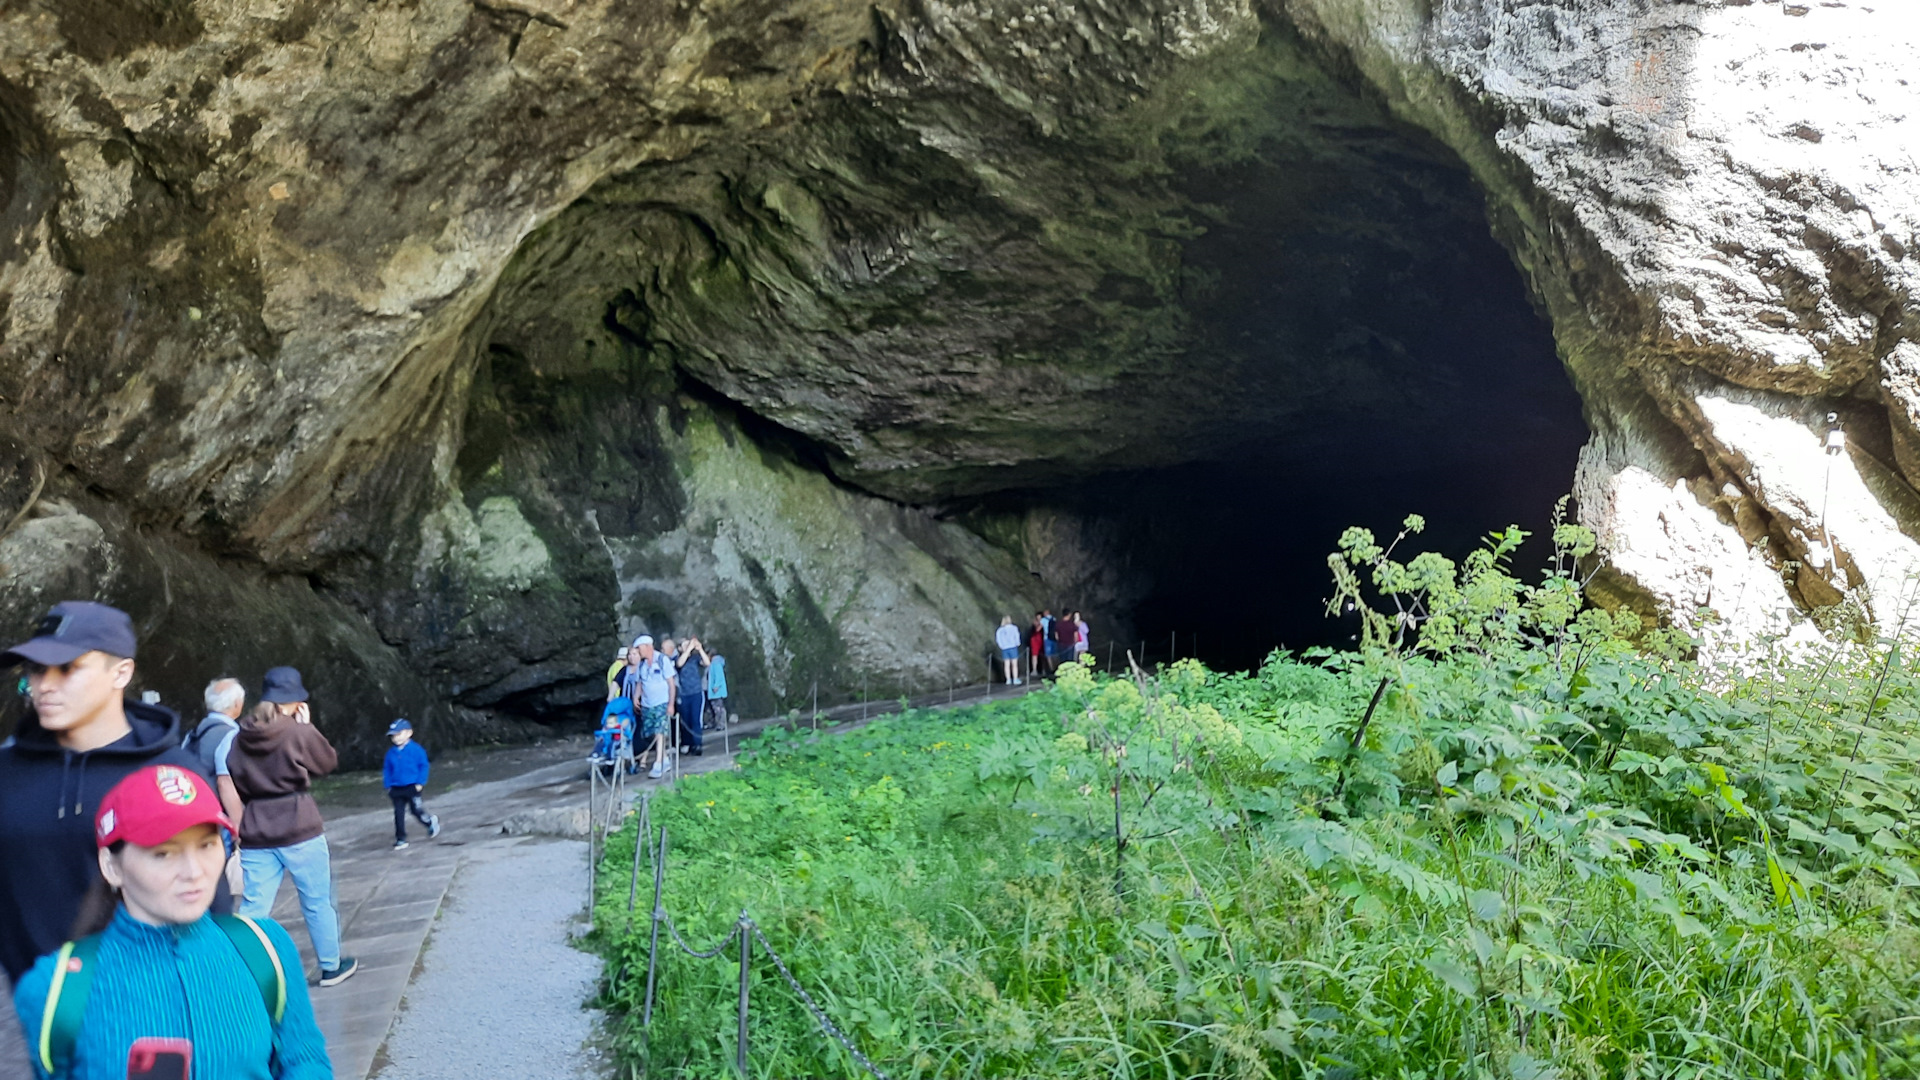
{"type": "Point", "coordinates": [433, 826]}
{"type": "Point", "coordinates": [399, 845]}
{"type": "Point", "coordinates": [658, 770]}
{"type": "Point", "coordinates": [335, 975]}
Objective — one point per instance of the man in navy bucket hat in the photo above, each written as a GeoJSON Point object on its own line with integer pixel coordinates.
{"type": "Point", "coordinates": [275, 760]}
{"type": "Point", "coordinates": [81, 737]}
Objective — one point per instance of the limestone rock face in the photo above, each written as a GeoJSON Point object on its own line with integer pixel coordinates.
{"type": "Point", "coordinates": [1717, 202]}
{"type": "Point", "coordinates": [464, 335]}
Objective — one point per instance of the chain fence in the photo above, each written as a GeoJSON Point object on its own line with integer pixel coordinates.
{"type": "Point", "coordinates": [742, 935]}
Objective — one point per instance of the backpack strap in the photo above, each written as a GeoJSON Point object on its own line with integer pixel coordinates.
{"type": "Point", "coordinates": [66, 1004]}
{"type": "Point", "coordinates": [262, 960]}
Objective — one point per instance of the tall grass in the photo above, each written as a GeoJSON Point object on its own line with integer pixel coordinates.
{"type": "Point", "coordinates": [1548, 855]}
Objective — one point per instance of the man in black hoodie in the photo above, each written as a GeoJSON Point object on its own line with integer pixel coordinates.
{"type": "Point", "coordinates": [81, 738]}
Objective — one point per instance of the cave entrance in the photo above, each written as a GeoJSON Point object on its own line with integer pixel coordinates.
{"type": "Point", "coordinates": [1165, 352]}
{"type": "Point", "coordinates": [1409, 373]}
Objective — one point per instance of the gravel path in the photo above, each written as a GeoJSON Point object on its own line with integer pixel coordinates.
{"type": "Point", "coordinates": [500, 989]}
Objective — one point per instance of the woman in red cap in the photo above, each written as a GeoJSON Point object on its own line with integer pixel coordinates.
{"type": "Point", "coordinates": [166, 989]}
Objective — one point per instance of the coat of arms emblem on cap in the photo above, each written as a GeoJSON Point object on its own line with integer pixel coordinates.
{"type": "Point", "coordinates": [174, 785]}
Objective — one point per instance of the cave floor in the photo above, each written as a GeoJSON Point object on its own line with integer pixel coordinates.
{"type": "Point", "coordinates": [404, 914]}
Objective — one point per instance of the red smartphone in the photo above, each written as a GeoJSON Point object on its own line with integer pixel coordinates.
{"type": "Point", "coordinates": [154, 1058]}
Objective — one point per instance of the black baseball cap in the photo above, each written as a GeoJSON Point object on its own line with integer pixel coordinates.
{"type": "Point", "coordinates": [73, 629]}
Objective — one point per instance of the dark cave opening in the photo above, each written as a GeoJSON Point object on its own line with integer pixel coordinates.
{"type": "Point", "coordinates": [1413, 376]}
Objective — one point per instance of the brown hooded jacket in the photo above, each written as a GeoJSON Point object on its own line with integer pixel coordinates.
{"type": "Point", "coordinates": [273, 764]}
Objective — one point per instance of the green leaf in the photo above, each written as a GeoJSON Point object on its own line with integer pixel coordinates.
{"type": "Point", "coordinates": [1456, 977]}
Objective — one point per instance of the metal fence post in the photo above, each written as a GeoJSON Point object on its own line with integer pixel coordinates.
{"type": "Point", "coordinates": [653, 946]}
{"type": "Point", "coordinates": [640, 823]}
{"type": "Point", "coordinates": [746, 954]}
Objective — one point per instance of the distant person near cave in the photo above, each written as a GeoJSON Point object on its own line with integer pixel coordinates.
{"type": "Point", "coordinates": [1007, 638]}
{"type": "Point", "coordinates": [717, 690]}
{"type": "Point", "coordinates": [647, 678]}
{"type": "Point", "coordinates": [693, 662]}
{"type": "Point", "coordinates": [1037, 646]}
{"type": "Point", "coordinates": [1080, 637]}
{"type": "Point", "coordinates": [1065, 633]}
{"type": "Point", "coordinates": [613, 673]}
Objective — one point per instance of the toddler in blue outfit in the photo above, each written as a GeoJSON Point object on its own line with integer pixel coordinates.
{"type": "Point", "coordinates": [616, 731]}
{"type": "Point", "coordinates": [405, 774]}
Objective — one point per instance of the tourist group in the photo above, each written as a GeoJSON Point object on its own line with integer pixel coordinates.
{"type": "Point", "coordinates": [138, 867]}
{"type": "Point", "coordinates": [1049, 642]}
{"type": "Point", "coordinates": [678, 687]}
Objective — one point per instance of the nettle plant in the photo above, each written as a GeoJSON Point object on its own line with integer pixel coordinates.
{"type": "Point", "coordinates": [1585, 731]}
{"type": "Point", "coordinates": [1430, 605]}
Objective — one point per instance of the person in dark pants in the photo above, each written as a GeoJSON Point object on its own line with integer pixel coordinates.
{"type": "Point", "coordinates": [80, 739]}
{"type": "Point", "coordinates": [405, 774]}
{"type": "Point", "coordinates": [693, 661]}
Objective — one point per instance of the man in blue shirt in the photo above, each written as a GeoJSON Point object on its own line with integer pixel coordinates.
{"type": "Point", "coordinates": [648, 679]}
{"type": "Point", "coordinates": [212, 740]}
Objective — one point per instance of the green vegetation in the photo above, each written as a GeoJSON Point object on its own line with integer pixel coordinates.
{"type": "Point", "coordinates": [1509, 837]}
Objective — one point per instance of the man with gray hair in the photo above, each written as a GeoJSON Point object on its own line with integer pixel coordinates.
{"type": "Point", "coordinates": [212, 740]}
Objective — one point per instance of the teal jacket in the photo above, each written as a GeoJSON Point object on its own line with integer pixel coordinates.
{"type": "Point", "coordinates": [183, 982]}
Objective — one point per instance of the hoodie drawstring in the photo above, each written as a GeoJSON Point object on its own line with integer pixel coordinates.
{"type": "Point", "coordinates": [80, 782]}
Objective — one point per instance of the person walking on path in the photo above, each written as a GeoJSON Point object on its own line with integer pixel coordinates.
{"type": "Point", "coordinates": [404, 772]}
{"type": "Point", "coordinates": [648, 679]}
{"type": "Point", "coordinates": [212, 740]}
{"type": "Point", "coordinates": [692, 695]}
{"type": "Point", "coordinates": [1080, 637]}
{"type": "Point", "coordinates": [158, 976]}
{"type": "Point", "coordinates": [1007, 638]}
{"type": "Point", "coordinates": [276, 758]}
{"type": "Point", "coordinates": [80, 739]}
{"type": "Point", "coordinates": [1036, 646]}
{"type": "Point", "coordinates": [717, 689]}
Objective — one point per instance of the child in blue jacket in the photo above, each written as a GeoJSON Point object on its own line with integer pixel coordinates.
{"type": "Point", "coordinates": [405, 774]}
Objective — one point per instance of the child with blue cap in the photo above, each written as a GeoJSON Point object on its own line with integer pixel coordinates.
{"type": "Point", "coordinates": [405, 774]}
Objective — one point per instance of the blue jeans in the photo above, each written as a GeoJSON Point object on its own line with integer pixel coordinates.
{"type": "Point", "coordinates": [312, 870]}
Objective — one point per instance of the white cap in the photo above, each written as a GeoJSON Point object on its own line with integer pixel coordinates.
{"type": "Point", "coordinates": [643, 639]}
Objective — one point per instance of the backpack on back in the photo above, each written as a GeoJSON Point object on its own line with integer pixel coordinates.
{"type": "Point", "coordinates": [203, 740]}
{"type": "Point", "coordinates": [73, 978]}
